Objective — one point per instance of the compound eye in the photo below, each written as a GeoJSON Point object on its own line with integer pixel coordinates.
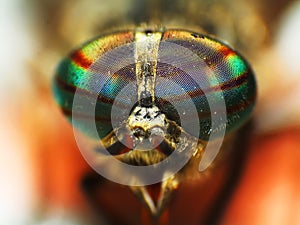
{"type": "Point", "coordinates": [98, 72]}
{"type": "Point", "coordinates": [211, 75]}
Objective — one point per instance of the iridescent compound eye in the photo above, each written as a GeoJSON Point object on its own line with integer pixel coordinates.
{"type": "Point", "coordinates": [146, 88]}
